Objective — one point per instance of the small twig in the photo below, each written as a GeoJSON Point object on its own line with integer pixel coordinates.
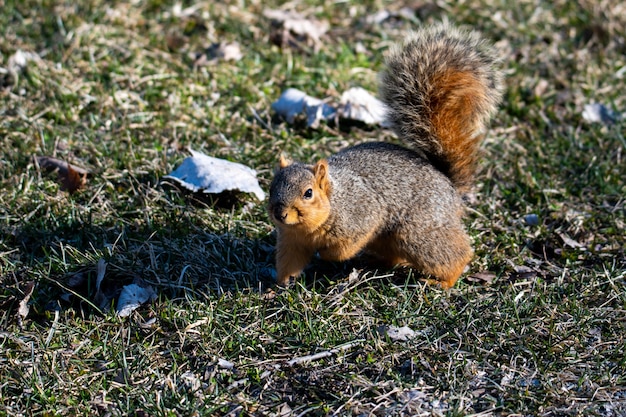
{"type": "Point", "coordinates": [259, 119]}
{"type": "Point", "coordinates": [325, 354]}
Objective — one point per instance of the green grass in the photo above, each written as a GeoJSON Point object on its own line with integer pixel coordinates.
{"type": "Point", "coordinates": [111, 92]}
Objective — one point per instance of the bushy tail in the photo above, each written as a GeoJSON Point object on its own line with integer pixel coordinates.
{"type": "Point", "coordinates": [441, 87]}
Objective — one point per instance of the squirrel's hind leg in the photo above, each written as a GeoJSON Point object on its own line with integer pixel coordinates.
{"type": "Point", "coordinates": [386, 249]}
{"type": "Point", "coordinates": [442, 253]}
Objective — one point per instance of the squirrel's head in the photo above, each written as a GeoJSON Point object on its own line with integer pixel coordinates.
{"type": "Point", "coordinates": [300, 195]}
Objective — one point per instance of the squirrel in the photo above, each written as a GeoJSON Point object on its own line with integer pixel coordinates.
{"type": "Point", "coordinates": [400, 203]}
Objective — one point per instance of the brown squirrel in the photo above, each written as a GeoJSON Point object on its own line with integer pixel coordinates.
{"type": "Point", "coordinates": [401, 203]}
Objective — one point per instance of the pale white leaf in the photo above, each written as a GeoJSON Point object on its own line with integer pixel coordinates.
{"type": "Point", "coordinates": [20, 59]}
{"type": "Point", "coordinates": [317, 110]}
{"type": "Point", "coordinates": [397, 334]}
{"type": "Point", "coordinates": [570, 242]}
{"type": "Point", "coordinates": [230, 51]}
{"type": "Point", "coordinates": [290, 104]}
{"type": "Point", "coordinates": [224, 364]}
{"type": "Point", "coordinates": [191, 381]}
{"type": "Point", "coordinates": [225, 51]}
{"type": "Point", "coordinates": [378, 17]}
{"type": "Point", "coordinates": [293, 102]}
{"type": "Point", "coordinates": [358, 104]}
{"type": "Point", "coordinates": [597, 112]}
{"type": "Point", "coordinates": [23, 307]}
{"type": "Point", "coordinates": [132, 297]}
{"type": "Point", "coordinates": [210, 175]}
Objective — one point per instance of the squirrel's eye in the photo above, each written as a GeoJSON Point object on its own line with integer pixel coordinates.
{"type": "Point", "coordinates": [308, 193]}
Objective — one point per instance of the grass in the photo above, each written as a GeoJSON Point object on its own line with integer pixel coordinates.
{"type": "Point", "coordinates": [115, 90]}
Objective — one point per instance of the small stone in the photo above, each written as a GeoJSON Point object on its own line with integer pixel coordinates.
{"type": "Point", "coordinates": [531, 219]}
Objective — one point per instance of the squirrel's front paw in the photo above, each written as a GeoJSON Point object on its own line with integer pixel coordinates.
{"type": "Point", "coordinates": [286, 282]}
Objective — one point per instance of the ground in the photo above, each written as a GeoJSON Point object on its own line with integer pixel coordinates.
{"type": "Point", "coordinates": [122, 89]}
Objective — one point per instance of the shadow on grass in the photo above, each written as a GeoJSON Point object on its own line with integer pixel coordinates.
{"type": "Point", "coordinates": [173, 252]}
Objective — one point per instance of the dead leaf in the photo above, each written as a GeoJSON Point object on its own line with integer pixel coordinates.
{"type": "Point", "coordinates": [203, 173]}
{"type": "Point", "coordinates": [228, 51]}
{"type": "Point", "coordinates": [522, 273]}
{"type": "Point", "coordinates": [568, 241]}
{"type": "Point", "coordinates": [290, 104]}
{"type": "Point", "coordinates": [597, 112]}
{"type": "Point", "coordinates": [293, 29]}
{"type": "Point", "coordinates": [73, 180]}
{"type": "Point", "coordinates": [378, 17]}
{"type": "Point", "coordinates": [100, 299]}
{"type": "Point", "coordinates": [270, 294]}
{"type": "Point", "coordinates": [485, 277]}
{"type": "Point", "coordinates": [16, 64]}
{"type": "Point", "coordinates": [19, 60]}
{"type": "Point", "coordinates": [224, 364]}
{"type": "Point", "coordinates": [71, 177]}
{"type": "Point", "coordinates": [224, 51]}
{"type": "Point", "coordinates": [294, 102]}
{"type": "Point", "coordinates": [358, 104]}
{"type": "Point", "coordinates": [24, 308]}
{"type": "Point", "coordinates": [132, 297]}
{"type": "Point", "coordinates": [397, 334]}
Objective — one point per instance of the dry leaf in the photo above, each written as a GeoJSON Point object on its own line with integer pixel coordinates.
{"type": "Point", "coordinates": [203, 173]}
{"type": "Point", "coordinates": [132, 297]}
{"type": "Point", "coordinates": [483, 277]}
{"type": "Point", "coordinates": [397, 334]}
{"type": "Point", "coordinates": [293, 102]}
{"type": "Point", "coordinates": [73, 180]}
{"type": "Point", "coordinates": [358, 104]}
{"type": "Point", "coordinates": [24, 308]}
{"type": "Point", "coordinates": [290, 104]}
{"type": "Point", "coordinates": [229, 51]}
{"type": "Point", "coordinates": [541, 87]}
{"type": "Point", "coordinates": [378, 17]}
{"type": "Point", "coordinates": [16, 65]}
{"type": "Point", "coordinates": [224, 364]}
{"type": "Point", "coordinates": [19, 60]}
{"type": "Point", "coordinates": [570, 242]}
{"type": "Point", "coordinates": [523, 272]}
{"type": "Point", "coordinates": [294, 28]}
{"type": "Point", "coordinates": [417, 10]}
{"type": "Point", "coordinates": [597, 112]}
{"type": "Point", "coordinates": [71, 177]}
{"type": "Point", "coordinates": [100, 299]}
{"type": "Point", "coordinates": [225, 51]}
{"type": "Point", "coordinates": [191, 382]}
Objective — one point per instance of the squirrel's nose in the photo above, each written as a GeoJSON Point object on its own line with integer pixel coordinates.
{"type": "Point", "coordinates": [279, 214]}
{"type": "Point", "coordinates": [277, 211]}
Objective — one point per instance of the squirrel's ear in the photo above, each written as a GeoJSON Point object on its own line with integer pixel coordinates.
{"type": "Point", "coordinates": [320, 170]}
{"type": "Point", "coordinates": [283, 161]}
